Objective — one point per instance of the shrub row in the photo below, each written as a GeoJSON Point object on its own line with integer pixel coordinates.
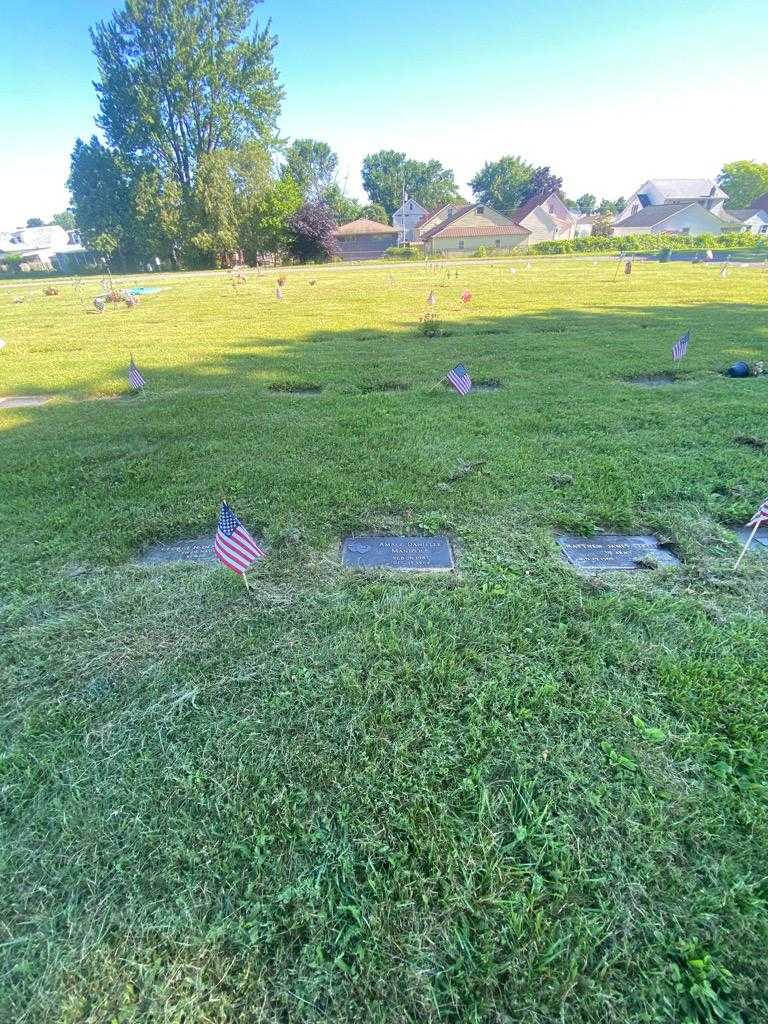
{"type": "Point", "coordinates": [650, 243]}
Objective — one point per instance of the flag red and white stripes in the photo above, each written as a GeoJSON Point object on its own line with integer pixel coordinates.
{"type": "Point", "coordinates": [135, 378]}
{"type": "Point", "coordinates": [233, 545]}
{"type": "Point", "coordinates": [761, 516]}
{"type": "Point", "coordinates": [459, 379]}
{"type": "Point", "coordinates": [681, 346]}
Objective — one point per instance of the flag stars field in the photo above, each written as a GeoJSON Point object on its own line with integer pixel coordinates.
{"type": "Point", "coordinates": [346, 791]}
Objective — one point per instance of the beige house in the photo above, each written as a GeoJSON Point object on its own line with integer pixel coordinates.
{"type": "Point", "coordinates": [465, 229]}
{"type": "Point", "coordinates": [547, 218]}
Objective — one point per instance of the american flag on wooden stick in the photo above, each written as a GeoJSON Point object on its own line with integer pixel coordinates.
{"type": "Point", "coordinates": [681, 346]}
{"type": "Point", "coordinates": [761, 516]}
{"type": "Point", "coordinates": [135, 378]}
{"type": "Point", "coordinates": [233, 545]}
{"type": "Point", "coordinates": [459, 379]}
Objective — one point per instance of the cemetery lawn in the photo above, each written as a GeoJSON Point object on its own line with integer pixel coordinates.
{"type": "Point", "coordinates": [510, 794]}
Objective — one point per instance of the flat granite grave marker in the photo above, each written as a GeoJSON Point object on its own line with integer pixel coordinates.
{"type": "Point", "coordinates": [613, 551]}
{"type": "Point", "coordinates": [403, 554]}
{"type": "Point", "coordinates": [21, 401]}
{"type": "Point", "coordinates": [761, 537]}
{"type": "Point", "coordinates": [196, 549]}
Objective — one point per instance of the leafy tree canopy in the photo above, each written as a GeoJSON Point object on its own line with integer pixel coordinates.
{"type": "Point", "coordinates": [587, 203]}
{"type": "Point", "coordinates": [510, 181]}
{"type": "Point", "coordinates": [375, 211]}
{"type": "Point", "coordinates": [101, 198]}
{"type": "Point", "coordinates": [343, 208]}
{"type": "Point", "coordinates": [312, 227]}
{"type": "Point", "coordinates": [35, 222]}
{"type": "Point", "coordinates": [312, 165]}
{"type": "Point", "coordinates": [65, 219]}
{"type": "Point", "coordinates": [180, 79]}
{"type": "Point", "coordinates": [744, 181]}
{"type": "Point", "coordinates": [387, 173]}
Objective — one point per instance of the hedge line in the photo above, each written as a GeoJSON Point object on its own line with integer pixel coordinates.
{"type": "Point", "coordinates": [650, 243]}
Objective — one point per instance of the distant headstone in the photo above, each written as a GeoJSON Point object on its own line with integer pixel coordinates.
{"type": "Point", "coordinates": [403, 554]}
{"type": "Point", "coordinates": [196, 549]}
{"type": "Point", "coordinates": [613, 551]}
{"type": "Point", "coordinates": [21, 401]}
{"type": "Point", "coordinates": [761, 537]}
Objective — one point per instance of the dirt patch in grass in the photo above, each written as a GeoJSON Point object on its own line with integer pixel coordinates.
{"type": "Point", "coordinates": [751, 441]}
{"type": "Point", "coordinates": [487, 384]}
{"type": "Point", "coordinates": [386, 386]}
{"type": "Point", "coordinates": [293, 388]}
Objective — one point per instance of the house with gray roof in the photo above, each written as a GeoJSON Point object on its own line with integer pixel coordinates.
{"type": "Point", "coordinates": [682, 218]}
{"type": "Point", "coordinates": [664, 191]}
{"type": "Point", "coordinates": [755, 221]}
{"type": "Point", "coordinates": [365, 239]}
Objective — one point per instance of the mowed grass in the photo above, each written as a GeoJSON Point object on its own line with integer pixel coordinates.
{"type": "Point", "coordinates": [512, 794]}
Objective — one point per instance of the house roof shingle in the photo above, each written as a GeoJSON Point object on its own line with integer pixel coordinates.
{"type": "Point", "coordinates": [652, 215]}
{"type": "Point", "coordinates": [364, 226]}
{"type": "Point", "coordinates": [686, 188]}
{"type": "Point", "coordinates": [741, 214]}
{"type": "Point", "coordinates": [482, 230]}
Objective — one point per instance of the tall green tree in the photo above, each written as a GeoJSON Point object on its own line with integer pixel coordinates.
{"type": "Point", "coordinates": [510, 181]}
{"type": "Point", "coordinates": [343, 208]}
{"type": "Point", "coordinates": [181, 79]}
{"type": "Point", "coordinates": [100, 186]}
{"type": "Point", "coordinates": [65, 219]}
{"type": "Point", "coordinates": [744, 181]}
{"type": "Point", "coordinates": [35, 222]}
{"type": "Point", "coordinates": [265, 229]}
{"type": "Point", "coordinates": [387, 173]}
{"type": "Point", "coordinates": [587, 203]}
{"type": "Point", "coordinates": [374, 211]}
{"type": "Point", "coordinates": [312, 165]}
{"type": "Point", "coordinates": [503, 183]}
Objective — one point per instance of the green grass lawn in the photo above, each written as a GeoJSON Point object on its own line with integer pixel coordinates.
{"type": "Point", "coordinates": [510, 795]}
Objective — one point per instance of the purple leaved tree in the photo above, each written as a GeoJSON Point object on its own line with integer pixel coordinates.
{"type": "Point", "coordinates": [312, 228]}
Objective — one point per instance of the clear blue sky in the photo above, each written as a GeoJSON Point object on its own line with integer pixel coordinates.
{"type": "Point", "coordinates": [607, 93]}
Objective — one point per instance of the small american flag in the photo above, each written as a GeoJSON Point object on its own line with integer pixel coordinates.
{"type": "Point", "coordinates": [135, 379]}
{"type": "Point", "coordinates": [681, 346]}
{"type": "Point", "coordinates": [761, 516]}
{"type": "Point", "coordinates": [233, 545]}
{"type": "Point", "coordinates": [278, 292]}
{"type": "Point", "coordinates": [431, 299]}
{"type": "Point", "coordinates": [459, 379]}
{"type": "Point", "coordinates": [466, 297]}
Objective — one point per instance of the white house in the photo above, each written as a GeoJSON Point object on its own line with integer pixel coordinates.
{"type": "Point", "coordinates": [406, 218]}
{"type": "Point", "coordinates": [755, 221]}
{"type": "Point", "coordinates": [546, 217]}
{"type": "Point", "coordinates": [585, 223]}
{"type": "Point", "coordinates": [662, 191]}
{"type": "Point", "coordinates": [686, 218]}
{"type": "Point", "coordinates": [44, 247]}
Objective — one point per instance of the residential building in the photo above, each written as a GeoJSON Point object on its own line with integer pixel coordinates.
{"type": "Point", "coordinates": [50, 247]}
{"type": "Point", "coordinates": [663, 191]}
{"type": "Point", "coordinates": [432, 218]}
{"type": "Point", "coordinates": [546, 217]}
{"type": "Point", "coordinates": [755, 221]}
{"type": "Point", "coordinates": [684, 218]}
{"type": "Point", "coordinates": [585, 223]}
{"type": "Point", "coordinates": [407, 217]}
{"type": "Point", "coordinates": [761, 203]}
{"type": "Point", "coordinates": [365, 239]}
{"type": "Point", "coordinates": [469, 228]}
